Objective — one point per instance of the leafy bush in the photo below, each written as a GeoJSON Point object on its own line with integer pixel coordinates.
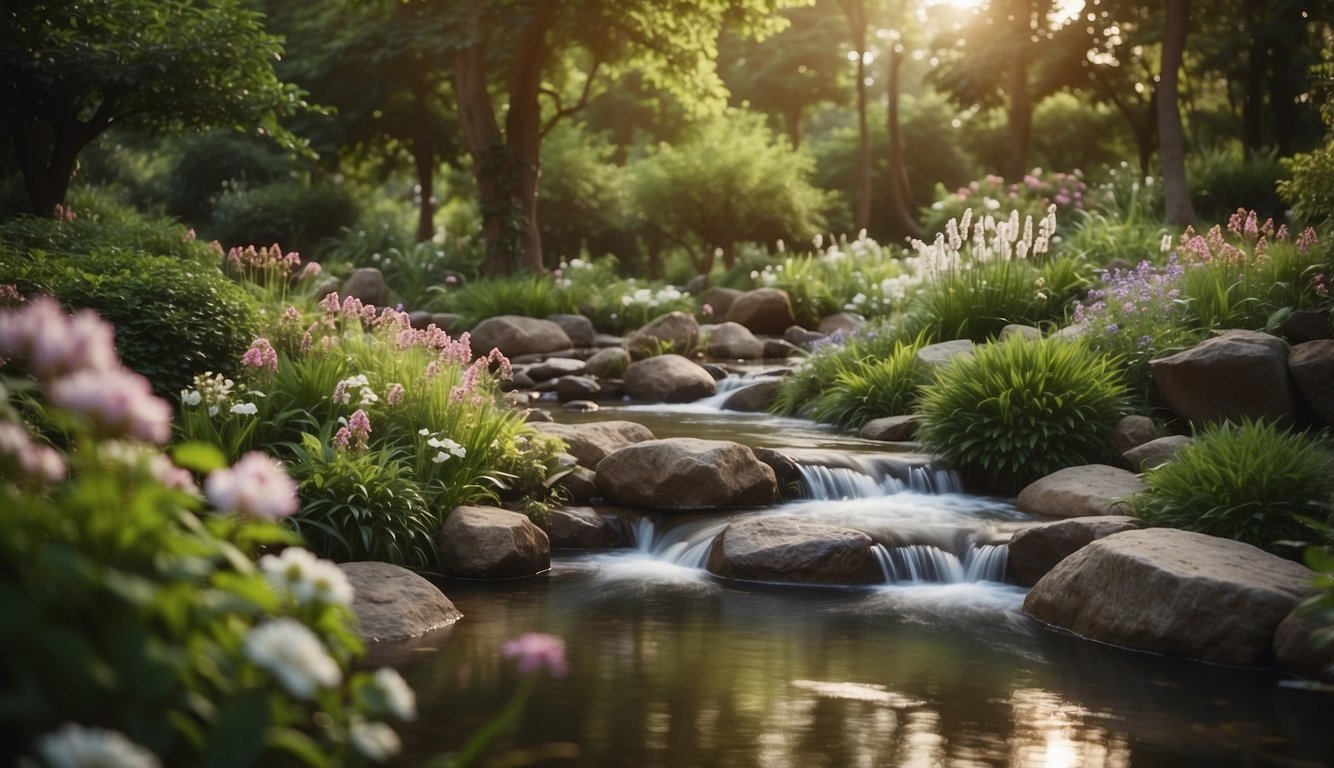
{"type": "Point", "coordinates": [531, 295]}
{"type": "Point", "coordinates": [1223, 181]}
{"type": "Point", "coordinates": [872, 388]}
{"type": "Point", "coordinates": [173, 318]}
{"type": "Point", "coordinates": [1021, 409]}
{"type": "Point", "coordinates": [1250, 482]}
{"type": "Point", "coordinates": [208, 165]}
{"type": "Point", "coordinates": [799, 391]}
{"type": "Point", "coordinates": [584, 197]}
{"type": "Point", "coordinates": [298, 215]}
{"type": "Point", "coordinates": [857, 275]}
{"type": "Point", "coordinates": [1031, 196]}
{"type": "Point", "coordinates": [111, 228]}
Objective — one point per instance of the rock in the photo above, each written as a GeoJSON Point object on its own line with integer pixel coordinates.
{"type": "Point", "coordinates": [330, 284]}
{"type": "Point", "coordinates": [591, 443]}
{"type": "Point", "coordinates": [787, 472]}
{"type": "Point", "coordinates": [668, 379]}
{"type": "Point", "coordinates": [779, 349]}
{"type": "Point", "coordinates": [581, 406]}
{"type": "Point", "coordinates": [1154, 452]}
{"type": "Point", "coordinates": [716, 371]}
{"type": "Point", "coordinates": [801, 338]}
{"type": "Point", "coordinates": [686, 473]}
{"type": "Point", "coordinates": [939, 355]}
{"type": "Point", "coordinates": [845, 322]}
{"type": "Point", "coordinates": [1131, 431]}
{"type": "Point", "coordinates": [1239, 375]}
{"type": "Point", "coordinates": [753, 398]}
{"type": "Point", "coordinates": [1173, 592]}
{"type": "Point", "coordinates": [892, 429]}
{"type": "Point", "coordinates": [368, 285]}
{"type": "Point", "coordinates": [1014, 329]}
{"type": "Point", "coordinates": [674, 332]}
{"type": "Point", "coordinates": [579, 485]}
{"type": "Point", "coordinates": [577, 327]}
{"type": "Point", "coordinates": [516, 335]}
{"type": "Point", "coordinates": [696, 284]}
{"type": "Point", "coordinates": [580, 528]}
{"type": "Point", "coordinates": [492, 543]}
{"type": "Point", "coordinates": [608, 363]}
{"type": "Point", "coordinates": [604, 340]}
{"type": "Point", "coordinates": [733, 341]}
{"type": "Point", "coordinates": [570, 388]}
{"type": "Point", "coordinates": [1307, 325]}
{"type": "Point", "coordinates": [537, 416]}
{"type": "Point", "coordinates": [1092, 489]}
{"type": "Point", "coordinates": [1312, 368]}
{"type": "Point", "coordinates": [555, 367]}
{"type": "Point", "coordinates": [519, 380]}
{"type": "Point", "coordinates": [763, 311]}
{"type": "Point", "coordinates": [446, 321]}
{"type": "Point", "coordinates": [720, 300]}
{"type": "Point", "coordinates": [1296, 650]}
{"type": "Point", "coordinates": [419, 319]}
{"type": "Point", "coordinates": [1037, 549]}
{"type": "Point", "coordinates": [785, 550]}
{"type": "Point", "coordinates": [393, 603]}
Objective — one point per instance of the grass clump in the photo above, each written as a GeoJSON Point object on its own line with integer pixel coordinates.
{"type": "Point", "coordinates": [1252, 482]}
{"type": "Point", "coordinates": [870, 388]}
{"type": "Point", "coordinates": [1021, 409]}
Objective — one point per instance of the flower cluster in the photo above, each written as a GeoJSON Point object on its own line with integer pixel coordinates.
{"type": "Point", "coordinates": [443, 446]}
{"type": "Point", "coordinates": [214, 393]}
{"type": "Point", "coordinates": [294, 655]}
{"type": "Point", "coordinates": [1253, 238]}
{"type": "Point", "coordinates": [535, 651]}
{"type": "Point", "coordinates": [261, 356]}
{"type": "Point", "coordinates": [307, 578]}
{"type": "Point", "coordinates": [1036, 192]}
{"type": "Point", "coordinates": [76, 746]}
{"type": "Point", "coordinates": [469, 387]}
{"type": "Point", "coordinates": [355, 432]}
{"type": "Point", "coordinates": [366, 395]}
{"type": "Point", "coordinates": [255, 486]}
{"type": "Point", "coordinates": [265, 265]}
{"type": "Point", "coordinates": [1133, 303]}
{"type": "Point", "coordinates": [33, 460]}
{"type": "Point", "coordinates": [989, 240]}
{"type": "Point", "coordinates": [134, 456]}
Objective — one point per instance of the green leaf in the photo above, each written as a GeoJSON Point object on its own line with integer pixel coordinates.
{"type": "Point", "coordinates": [200, 457]}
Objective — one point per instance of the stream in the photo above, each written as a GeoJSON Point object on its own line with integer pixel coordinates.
{"type": "Point", "coordinates": [938, 666]}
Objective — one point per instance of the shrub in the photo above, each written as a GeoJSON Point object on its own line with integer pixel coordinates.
{"type": "Point", "coordinates": [1021, 409]}
{"type": "Point", "coordinates": [531, 295]}
{"type": "Point", "coordinates": [298, 215]}
{"type": "Point", "coordinates": [799, 391]}
{"type": "Point", "coordinates": [1032, 196]}
{"type": "Point", "coordinates": [1250, 482]}
{"type": "Point", "coordinates": [872, 388]}
{"type": "Point", "coordinates": [112, 228]}
{"type": "Point", "coordinates": [1223, 181]}
{"type": "Point", "coordinates": [208, 165]}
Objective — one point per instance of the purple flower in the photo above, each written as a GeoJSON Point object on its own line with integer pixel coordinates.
{"type": "Point", "coordinates": [534, 651]}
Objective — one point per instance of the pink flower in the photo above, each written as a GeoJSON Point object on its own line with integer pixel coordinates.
{"type": "Point", "coordinates": [1305, 240]}
{"type": "Point", "coordinates": [9, 294]}
{"type": "Point", "coordinates": [261, 356]}
{"type": "Point", "coordinates": [190, 235]}
{"type": "Point", "coordinates": [310, 271]}
{"type": "Point", "coordinates": [54, 343]}
{"type": "Point", "coordinates": [118, 402]}
{"type": "Point", "coordinates": [394, 394]}
{"type": "Point", "coordinates": [535, 651]}
{"type": "Point", "coordinates": [256, 486]}
{"type": "Point", "coordinates": [34, 460]}
{"type": "Point", "coordinates": [331, 303]}
{"type": "Point", "coordinates": [342, 438]}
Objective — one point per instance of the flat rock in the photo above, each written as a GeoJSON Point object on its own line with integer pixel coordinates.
{"type": "Point", "coordinates": [752, 398]}
{"type": "Point", "coordinates": [765, 311]}
{"type": "Point", "coordinates": [1015, 329]}
{"type": "Point", "coordinates": [1155, 452]}
{"type": "Point", "coordinates": [555, 367]}
{"type": "Point", "coordinates": [1173, 592]}
{"type": "Point", "coordinates": [686, 473]}
{"type": "Point", "coordinates": [668, 379]}
{"type": "Point", "coordinates": [786, 550]}
{"type": "Point", "coordinates": [517, 335]}
{"type": "Point", "coordinates": [733, 341]}
{"type": "Point", "coordinates": [891, 428]}
{"type": "Point", "coordinates": [571, 388]}
{"type": "Point", "coordinates": [846, 322]}
{"type": "Point", "coordinates": [1092, 489]}
{"type": "Point", "coordinates": [1238, 375]}
{"type": "Point", "coordinates": [492, 543]}
{"type": "Point", "coordinates": [393, 603]}
{"type": "Point", "coordinates": [591, 443]}
{"type": "Point", "coordinates": [1037, 549]}
{"type": "Point", "coordinates": [580, 528]}
{"type": "Point", "coordinates": [939, 355]}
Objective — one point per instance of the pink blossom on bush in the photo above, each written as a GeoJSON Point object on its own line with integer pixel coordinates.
{"type": "Point", "coordinates": [261, 356]}
{"type": "Point", "coordinates": [54, 343]}
{"type": "Point", "coordinates": [311, 271]}
{"type": "Point", "coordinates": [535, 651]}
{"type": "Point", "coordinates": [256, 486]}
{"type": "Point", "coordinates": [118, 402]}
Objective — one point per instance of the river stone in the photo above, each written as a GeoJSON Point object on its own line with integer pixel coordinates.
{"type": "Point", "coordinates": [733, 341]}
{"type": "Point", "coordinates": [892, 429]}
{"type": "Point", "coordinates": [368, 285]}
{"type": "Point", "coordinates": [1178, 593]}
{"type": "Point", "coordinates": [673, 332]}
{"type": "Point", "coordinates": [555, 367]}
{"type": "Point", "coordinates": [591, 443]}
{"type": "Point", "coordinates": [801, 338]}
{"type": "Point", "coordinates": [778, 349]}
{"type": "Point", "coordinates": [571, 388]}
{"type": "Point", "coordinates": [1312, 368]}
{"type": "Point", "coordinates": [686, 473]}
{"type": "Point", "coordinates": [419, 319]}
{"type": "Point", "coordinates": [577, 327]}
{"type": "Point", "coordinates": [1015, 329]}
{"type": "Point", "coordinates": [847, 322]}
{"type": "Point", "coordinates": [516, 335]}
{"type": "Point", "coordinates": [1037, 549]}
{"type": "Point", "coordinates": [785, 550]}
{"type": "Point", "coordinates": [720, 300]}
{"type": "Point", "coordinates": [1155, 452]}
{"type": "Point", "coordinates": [1239, 375]}
{"type": "Point", "coordinates": [765, 311]}
{"type": "Point", "coordinates": [1307, 325]}
{"type": "Point", "coordinates": [580, 528]}
{"type": "Point", "coordinates": [1131, 431]}
{"type": "Point", "coordinates": [393, 603]}
{"type": "Point", "coordinates": [753, 398]}
{"type": "Point", "coordinates": [446, 321]}
{"type": "Point", "coordinates": [1297, 651]}
{"type": "Point", "coordinates": [668, 379]}
{"type": "Point", "coordinates": [609, 363]}
{"type": "Point", "coordinates": [578, 486]}
{"type": "Point", "coordinates": [492, 543]}
{"type": "Point", "coordinates": [939, 355]}
{"type": "Point", "coordinates": [1092, 489]}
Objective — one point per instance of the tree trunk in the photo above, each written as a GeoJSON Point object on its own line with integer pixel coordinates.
{"type": "Point", "coordinates": [1021, 101]}
{"type": "Point", "coordinates": [47, 182]}
{"type": "Point", "coordinates": [1176, 192]}
{"type": "Point", "coordinates": [491, 164]}
{"type": "Point", "coordinates": [523, 131]}
{"type": "Point", "coordinates": [861, 212]}
{"type": "Point", "coordinates": [1252, 104]}
{"type": "Point", "coordinates": [904, 223]}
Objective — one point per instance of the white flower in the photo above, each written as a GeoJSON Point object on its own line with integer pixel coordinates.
{"type": "Point", "coordinates": [245, 409]}
{"type": "Point", "coordinates": [74, 746]}
{"type": "Point", "coordinates": [213, 410]}
{"type": "Point", "coordinates": [191, 397]}
{"type": "Point", "coordinates": [308, 578]}
{"type": "Point", "coordinates": [423, 431]}
{"type": "Point", "coordinates": [445, 444]}
{"type": "Point", "coordinates": [398, 697]}
{"type": "Point", "coordinates": [289, 651]}
{"type": "Point", "coordinates": [375, 741]}
{"type": "Point", "coordinates": [368, 396]}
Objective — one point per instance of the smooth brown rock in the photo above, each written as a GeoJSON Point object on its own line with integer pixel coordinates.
{"type": "Point", "coordinates": [935, 356]}
{"type": "Point", "coordinates": [891, 428]}
{"type": "Point", "coordinates": [579, 486]}
{"type": "Point", "coordinates": [719, 300]}
{"type": "Point", "coordinates": [393, 603]}
{"type": "Point", "coordinates": [733, 341]}
{"type": "Point", "coordinates": [674, 332]}
{"type": "Point", "coordinates": [608, 363]}
{"type": "Point", "coordinates": [1092, 489]}
{"type": "Point", "coordinates": [765, 311]}
{"type": "Point", "coordinates": [580, 528]}
{"type": "Point", "coordinates": [846, 322]}
{"type": "Point", "coordinates": [577, 327]}
{"type": "Point", "coordinates": [1297, 650]}
{"type": "Point", "coordinates": [368, 285]}
{"type": "Point", "coordinates": [1037, 549]}
{"type": "Point", "coordinates": [591, 443]}
{"type": "Point", "coordinates": [516, 335]}
{"type": "Point", "coordinates": [686, 473]}
{"type": "Point", "coordinates": [1312, 367]}
{"type": "Point", "coordinates": [492, 543]}
{"type": "Point", "coordinates": [571, 388]}
{"type": "Point", "coordinates": [752, 398]}
{"type": "Point", "coordinates": [1131, 431]}
{"type": "Point", "coordinates": [1238, 375]}
{"type": "Point", "coordinates": [1155, 452]}
{"type": "Point", "coordinates": [668, 379]}
{"type": "Point", "coordinates": [786, 550]}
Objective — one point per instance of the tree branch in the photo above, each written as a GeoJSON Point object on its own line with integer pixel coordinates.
{"type": "Point", "coordinates": [578, 105]}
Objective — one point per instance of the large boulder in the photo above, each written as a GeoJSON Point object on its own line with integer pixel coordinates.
{"type": "Point", "coordinates": [516, 335]}
{"type": "Point", "coordinates": [733, 341]}
{"type": "Point", "coordinates": [1173, 592]}
{"type": "Point", "coordinates": [1037, 549]}
{"type": "Point", "coordinates": [393, 603]}
{"type": "Point", "coordinates": [673, 332]}
{"type": "Point", "coordinates": [591, 443]}
{"type": "Point", "coordinates": [935, 356]}
{"type": "Point", "coordinates": [894, 429]}
{"type": "Point", "coordinates": [719, 300]}
{"type": "Point", "coordinates": [753, 398]}
{"type": "Point", "coordinates": [1312, 368]}
{"type": "Point", "coordinates": [786, 550]}
{"type": "Point", "coordinates": [1093, 489]}
{"type": "Point", "coordinates": [580, 528]}
{"type": "Point", "coordinates": [1155, 452]}
{"type": "Point", "coordinates": [577, 327]}
{"type": "Point", "coordinates": [668, 379]}
{"type": "Point", "coordinates": [1239, 375]}
{"type": "Point", "coordinates": [1296, 648]}
{"type": "Point", "coordinates": [492, 543]}
{"type": "Point", "coordinates": [763, 311]}
{"type": "Point", "coordinates": [368, 285]}
{"type": "Point", "coordinates": [686, 473]}
{"type": "Point", "coordinates": [608, 363]}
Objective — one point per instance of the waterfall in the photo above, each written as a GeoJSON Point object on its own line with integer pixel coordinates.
{"type": "Point", "coordinates": [987, 562]}
{"type": "Point", "coordinates": [925, 564]}
{"type": "Point", "coordinates": [686, 545]}
{"type": "Point", "coordinates": [821, 483]}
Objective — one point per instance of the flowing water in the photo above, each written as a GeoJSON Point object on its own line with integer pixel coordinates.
{"type": "Point", "coordinates": [936, 667]}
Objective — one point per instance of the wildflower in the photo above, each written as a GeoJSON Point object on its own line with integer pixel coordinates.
{"type": "Point", "coordinates": [9, 295]}
{"type": "Point", "coordinates": [118, 402]}
{"type": "Point", "coordinates": [343, 396]}
{"type": "Point", "coordinates": [360, 428]}
{"type": "Point", "coordinates": [394, 694]}
{"type": "Point", "coordinates": [342, 438]}
{"type": "Point", "coordinates": [289, 651]}
{"type": "Point", "coordinates": [54, 343]}
{"type": "Point", "coordinates": [1306, 239]}
{"type": "Point", "coordinates": [394, 394]}
{"type": "Point", "coordinates": [245, 409]}
{"type": "Point", "coordinates": [375, 741]}
{"type": "Point", "coordinates": [34, 460]}
{"type": "Point", "coordinates": [310, 271]}
{"type": "Point", "coordinates": [534, 651]}
{"type": "Point", "coordinates": [190, 235]}
{"type": "Point", "coordinates": [261, 356]}
{"type": "Point", "coordinates": [76, 746]}
{"type": "Point", "coordinates": [306, 577]}
{"type": "Point", "coordinates": [256, 486]}
{"type": "Point", "coordinates": [446, 448]}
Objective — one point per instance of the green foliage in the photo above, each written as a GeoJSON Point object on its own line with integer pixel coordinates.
{"type": "Point", "coordinates": [207, 166]}
{"type": "Point", "coordinates": [799, 392]}
{"type": "Point", "coordinates": [1252, 482]}
{"type": "Point", "coordinates": [584, 199]}
{"type": "Point", "coordinates": [1021, 409]}
{"type": "Point", "coordinates": [108, 227]}
{"type": "Point", "coordinates": [871, 388]}
{"type": "Point", "coordinates": [1124, 225]}
{"type": "Point", "coordinates": [1223, 181]}
{"type": "Point", "coordinates": [173, 318]}
{"type": "Point", "coordinates": [1030, 196]}
{"type": "Point", "coordinates": [531, 295]}
{"type": "Point", "coordinates": [1310, 191]}
{"type": "Point", "coordinates": [300, 216]}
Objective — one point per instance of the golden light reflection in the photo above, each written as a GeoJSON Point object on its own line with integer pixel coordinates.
{"type": "Point", "coordinates": [1050, 732]}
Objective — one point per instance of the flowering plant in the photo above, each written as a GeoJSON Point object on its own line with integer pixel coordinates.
{"type": "Point", "coordinates": [1034, 194]}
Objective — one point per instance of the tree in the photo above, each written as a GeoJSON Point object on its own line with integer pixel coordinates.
{"type": "Point", "coordinates": [1176, 192]}
{"type": "Point", "coordinates": [529, 49]}
{"type": "Point", "coordinates": [855, 11]}
{"type": "Point", "coordinates": [72, 69]}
